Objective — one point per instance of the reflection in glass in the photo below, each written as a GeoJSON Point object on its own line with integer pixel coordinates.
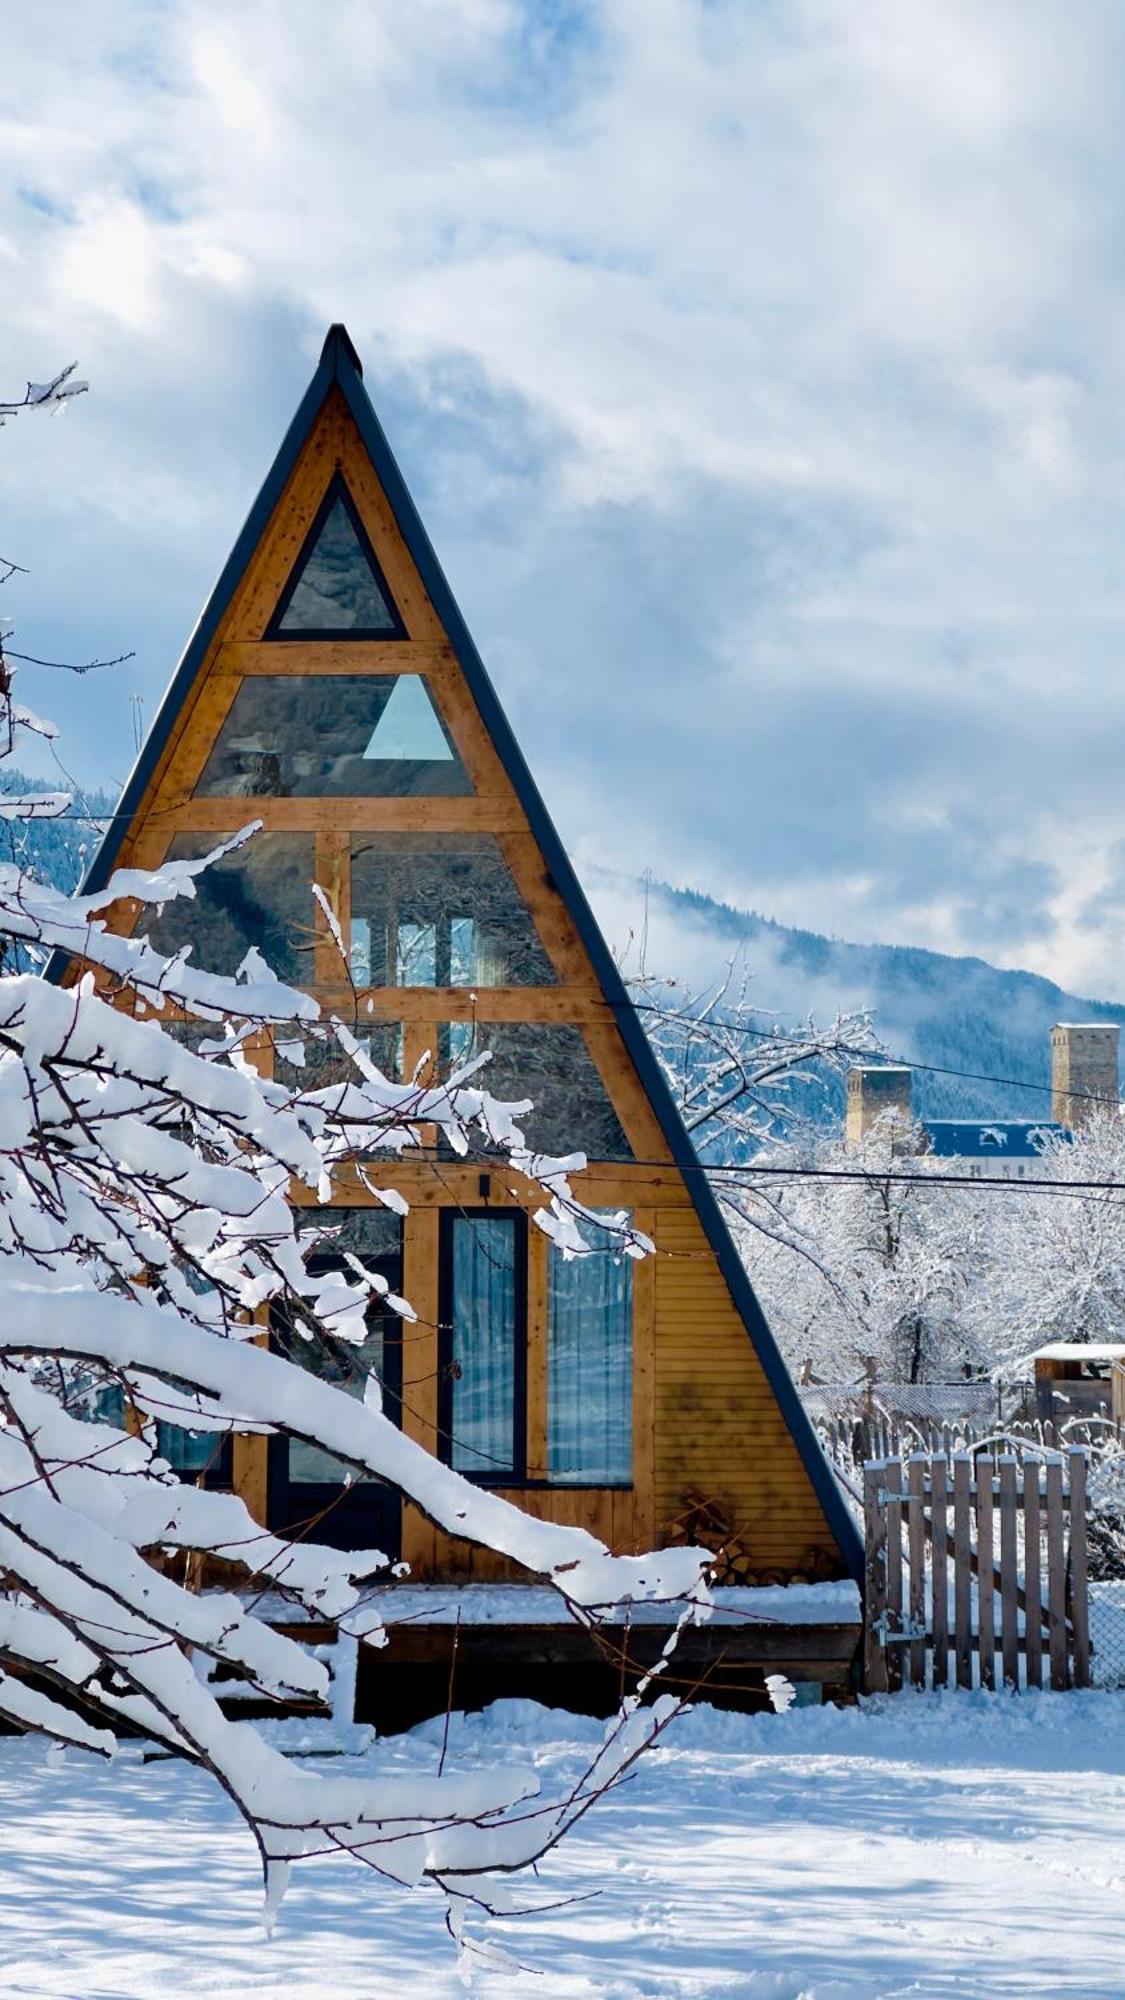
{"type": "Point", "coordinates": [316, 736]}
{"type": "Point", "coordinates": [374, 1235]}
{"type": "Point", "coordinates": [260, 895]}
{"type": "Point", "coordinates": [483, 1318]}
{"type": "Point", "coordinates": [571, 1111]}
{"type": "Point", "coordinates": [338, 586]}
{"type": "Point", "coordinates": [440, 910]}
{"type": "Point", "coordinates": [189, 1453]}
{"type": "Point", "coordinates": [347, 1368]}
{"type": "Point", "coordinates": [325, 1062]}
{"type": "Point", "coordinates": [590, 1369]}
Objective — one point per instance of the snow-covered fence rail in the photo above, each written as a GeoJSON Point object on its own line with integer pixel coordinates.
{"type": "Point", "coordinates": [970, 1557]}
{"type": "Point", "coordinates": [852, 1442]}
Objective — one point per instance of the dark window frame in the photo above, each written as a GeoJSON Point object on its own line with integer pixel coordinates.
{"type": "Point", "coordinates": [337, 490]}
{"type": "Point", "coordinates": [516, 1475]}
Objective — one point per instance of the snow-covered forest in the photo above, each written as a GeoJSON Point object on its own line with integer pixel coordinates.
{"type": "Point", "coordinates": [926, 1272]}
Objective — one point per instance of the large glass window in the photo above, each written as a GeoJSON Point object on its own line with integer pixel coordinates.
{"type": "Point", "coordinates": [337, 588]}
{"type": "Point", "coordinates": [440, 910]}
{"type": "Point", "coordinates": [260, 895]}
{"type": "Point", "coordinates": [315, 736]}
{"type": "Point", "coordinates": [375, 1236]}
{"type": "Point", "coordinates": [325, 1062]}
{"type": "Point", "coordinates": [483, 1401]}
{"type": "Point", "coordinates": [553, 1067]}
{"type": "Point", "coordinates": [192, 1455]}
{"type": "Point", "coordinates": [590, 1369]}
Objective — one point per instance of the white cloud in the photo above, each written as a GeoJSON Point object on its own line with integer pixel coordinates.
{"type": "Point", "coordinates": [760, 368]}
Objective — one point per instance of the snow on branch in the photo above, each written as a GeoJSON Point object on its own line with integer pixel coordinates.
{"type": "Point", "coordinates": [53, 395]}
{"type": "Point", "coordinates": [159, 1203]}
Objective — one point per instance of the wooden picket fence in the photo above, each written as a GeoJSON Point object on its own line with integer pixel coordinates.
{"type": "Point", "coordinates": [1008, 1539]}
{"type": "Point", "coordinates": [853, 1441]}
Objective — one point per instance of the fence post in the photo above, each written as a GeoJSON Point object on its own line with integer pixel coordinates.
{"type": "Point", "coordinates": [916, 1543]}
{"type": "Point", "coordinates": [892, 1482]}
{"type": "Point", "coordinates": [986, 1595]}
{"type": "Point", "coordinates": [962, 1568]}
{"type": "Point", "coordinates": [1056, 1573]}
{"type": "Point", "coordinates": [1079, 1595]}
{"type": "Point", "coordinates": [1009, 1572]}
{"type": "Point", "coordinates": [874, 1582]}
{"type": "Point", "coordinates": [939, 1586]}
{"type": "Point", "coordinates": [1032, 1590]}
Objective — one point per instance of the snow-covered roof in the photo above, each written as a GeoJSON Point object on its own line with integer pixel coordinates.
{"type": "Point", "coordinates": [1080, 1350]}
{"type": "Point", "coordinates": [991, 1138]}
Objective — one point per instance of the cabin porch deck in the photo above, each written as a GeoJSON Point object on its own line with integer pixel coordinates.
{"type": "Point", "coordinates": [464, 1645]}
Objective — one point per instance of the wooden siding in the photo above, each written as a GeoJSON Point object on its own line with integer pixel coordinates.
{"type": "Point", "coordinates": [719, 1433]}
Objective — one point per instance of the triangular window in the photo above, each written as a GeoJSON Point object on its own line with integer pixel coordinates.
{"type": "Point", "coordinates": [337, 589]}
{"type": "Point", "coordinates": [551, 1065]}
{"type": "Point", "coordinates": [408, 731]}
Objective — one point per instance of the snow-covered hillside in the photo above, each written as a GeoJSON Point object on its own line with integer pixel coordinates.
{"type": "Point", "coordinates": [956, 1013]}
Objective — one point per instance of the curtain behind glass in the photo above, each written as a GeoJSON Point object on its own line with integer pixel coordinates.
{"type": "Point", "coordinates": [590, 1370]}
{"type": "Point", "coordinates": [484, 1345]}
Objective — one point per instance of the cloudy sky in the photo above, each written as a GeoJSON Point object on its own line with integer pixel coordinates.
{"type": "Point", "coordinates": [759, 370]}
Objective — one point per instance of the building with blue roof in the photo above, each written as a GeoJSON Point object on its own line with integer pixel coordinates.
{"type": "Point", "coordinates": [1084, 1080]}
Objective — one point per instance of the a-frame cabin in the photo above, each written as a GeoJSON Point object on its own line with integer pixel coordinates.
{"type": "Point", "coordinates": [331, 690]}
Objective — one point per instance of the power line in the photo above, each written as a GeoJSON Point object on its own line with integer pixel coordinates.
{"type": "Point", "coordinates": [1033, 1184]}
{"type": "Point", "coordinates": [878, 1060]}
{"type": "Point", "coordinates": [874, 1056]}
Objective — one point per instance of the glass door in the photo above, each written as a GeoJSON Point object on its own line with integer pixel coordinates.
{"type": "Point", "coordinates": [312, 1493]}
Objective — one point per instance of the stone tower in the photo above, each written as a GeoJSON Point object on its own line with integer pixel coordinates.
{"type": "Point", "coordinates": [1084, 1075]}
{"type": "Point", "coordinates": [872, 1090]}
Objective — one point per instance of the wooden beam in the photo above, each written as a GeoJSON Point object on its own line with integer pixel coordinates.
{"type": "Point", "coordinates": [306, 657]}
{"type": "Point", "coordinates": [539, 1005]}
{"type": "Point", "coordinates": [434, 1183]}
{"type": "Point", "coordinates": [471, 815]}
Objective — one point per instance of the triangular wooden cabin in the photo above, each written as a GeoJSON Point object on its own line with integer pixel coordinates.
{"type": "Point", "coordinates": [332, 691]}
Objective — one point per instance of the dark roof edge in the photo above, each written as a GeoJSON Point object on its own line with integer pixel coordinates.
{"type": "Point", "coordinates": [340, 362]}
{"type": "Point", "coordinates": [821, 1475]}
{"type": "Point", "coordinates": [338, 346]}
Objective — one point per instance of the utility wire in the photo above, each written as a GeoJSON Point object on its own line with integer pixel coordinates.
{"type": "Point", "coordinates": [876, 1060]}
{"type": "Point", "coordinates": [1033, 1184]}
{"type": "Point", "coordinates": [872, 1056]}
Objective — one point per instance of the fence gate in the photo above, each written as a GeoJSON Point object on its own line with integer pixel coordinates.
{"type": "Point", "coordinates": [970, 1558]}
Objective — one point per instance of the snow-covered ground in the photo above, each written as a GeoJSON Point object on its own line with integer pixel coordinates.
{"type": "Point", "coordinates": [923, 1846]}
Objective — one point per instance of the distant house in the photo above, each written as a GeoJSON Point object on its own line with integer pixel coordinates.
{"type": "Point", "coordinates": [1084, 1077]}
{"type": "Point", "coordinates": [1011, 1147]}
{"type": "Point", "coordinates": [1079, 1379]}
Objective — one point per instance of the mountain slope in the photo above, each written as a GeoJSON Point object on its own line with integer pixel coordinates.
{"type": "Point", "coordinates": [957, 1014]}
{"type": "Point", "coordinates": [52, 850]}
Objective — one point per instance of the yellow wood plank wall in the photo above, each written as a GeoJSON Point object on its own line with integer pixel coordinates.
{"type": "Point", "coordinates": [718, 1429]}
